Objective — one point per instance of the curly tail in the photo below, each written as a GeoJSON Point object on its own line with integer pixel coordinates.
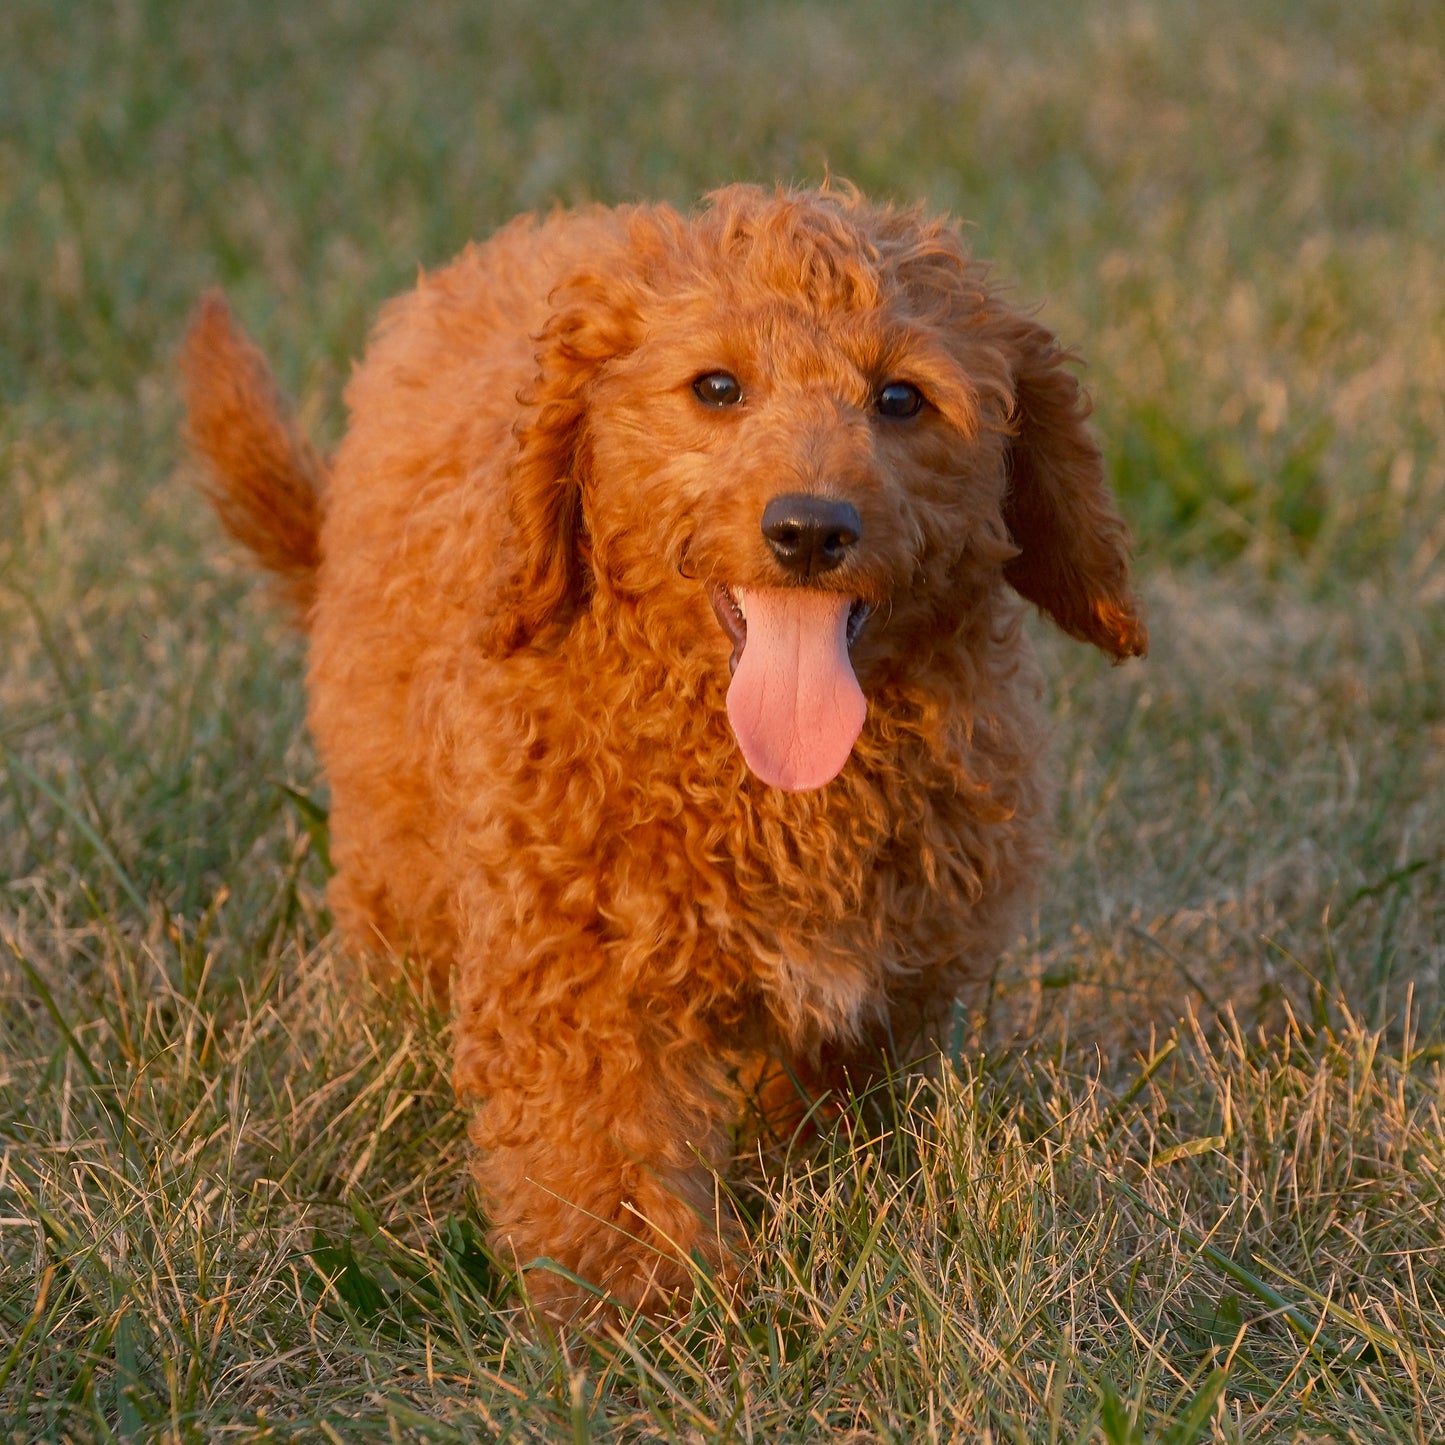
{"type": "Point", "coordinates": [265, 480]}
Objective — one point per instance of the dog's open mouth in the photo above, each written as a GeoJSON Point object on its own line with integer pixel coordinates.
{"type": "Point", "coordinates": [729, 607]}
{"type": "Point", "coordinates": [794, 702]}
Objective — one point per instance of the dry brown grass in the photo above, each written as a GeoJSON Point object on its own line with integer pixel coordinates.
{"type": "Point", "coordinates": [1186, 1181]}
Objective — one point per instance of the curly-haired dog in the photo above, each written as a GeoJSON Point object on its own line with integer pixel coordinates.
{"type": "Point", "coordinates": [668, 670]}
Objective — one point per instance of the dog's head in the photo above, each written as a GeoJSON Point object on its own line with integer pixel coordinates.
{"type": "Point", "coordinates": [799, 434]}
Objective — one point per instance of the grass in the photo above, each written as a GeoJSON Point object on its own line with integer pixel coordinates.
{"type": "Point", "coordinates": [1185, 1181]}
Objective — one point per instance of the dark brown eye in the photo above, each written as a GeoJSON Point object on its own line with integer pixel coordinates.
{"type": "Point", "coordinates": [900, 399]}
{"type": "Point", "coordinates": [718, 388]}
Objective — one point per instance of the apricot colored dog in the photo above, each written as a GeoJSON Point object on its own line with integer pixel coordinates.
{"type": "Point", "coordinates": [667, 666]}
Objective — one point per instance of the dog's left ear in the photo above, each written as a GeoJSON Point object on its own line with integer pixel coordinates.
{"type": "Point", "coordinates": [1073, 558]}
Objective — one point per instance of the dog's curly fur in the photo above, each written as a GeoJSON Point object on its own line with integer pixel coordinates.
{"type": "Point", "coordinates": [517, 680]}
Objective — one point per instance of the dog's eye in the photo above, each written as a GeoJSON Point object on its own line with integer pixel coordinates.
{"type": "Point", "coordinates": [718, 388]}
{"type": "Point", "coordinates": [900, 399]}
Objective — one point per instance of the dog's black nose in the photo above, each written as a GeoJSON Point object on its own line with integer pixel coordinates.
{"type": "Point", "coordinates": [808, 534]}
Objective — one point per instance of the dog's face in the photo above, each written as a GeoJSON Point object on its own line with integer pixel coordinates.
{"type": "Point", "coordinates": [797, 437]}
{"type": "Point", "coordinates": [802, 488]}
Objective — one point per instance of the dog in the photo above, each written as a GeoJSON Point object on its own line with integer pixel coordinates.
{"type": "Point", "coordinates": [665, 604]}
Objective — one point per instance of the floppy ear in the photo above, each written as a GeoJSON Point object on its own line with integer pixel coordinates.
{"type": "Point", "coordinates": [1073, 559]}
{"type": "Point", "coordinates": [542, 557]}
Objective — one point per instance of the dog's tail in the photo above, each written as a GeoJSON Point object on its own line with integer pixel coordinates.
{"type": "Point", "coordinates": [265, 481]}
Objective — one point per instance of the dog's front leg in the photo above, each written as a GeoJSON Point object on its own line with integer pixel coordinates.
{"type": "Point", "coordinates": [595, 1151]}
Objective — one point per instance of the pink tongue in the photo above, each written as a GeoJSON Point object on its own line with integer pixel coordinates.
{"type": "Point", "coordinates": [795, 705]}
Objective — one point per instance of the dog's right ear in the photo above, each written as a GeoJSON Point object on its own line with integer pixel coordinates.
{"type": "Point", "coordinates": [542, 575]}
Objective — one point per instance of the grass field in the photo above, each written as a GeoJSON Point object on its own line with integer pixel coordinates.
{"type": "Point", "coordinates": [1187, 1181]}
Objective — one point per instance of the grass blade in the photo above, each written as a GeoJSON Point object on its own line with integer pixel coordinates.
{"type": "Point", "coordinates": [82, 824]}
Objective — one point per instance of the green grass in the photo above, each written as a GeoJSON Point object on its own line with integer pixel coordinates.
{"type": "Point", "coordinates": [1187, 1180]}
